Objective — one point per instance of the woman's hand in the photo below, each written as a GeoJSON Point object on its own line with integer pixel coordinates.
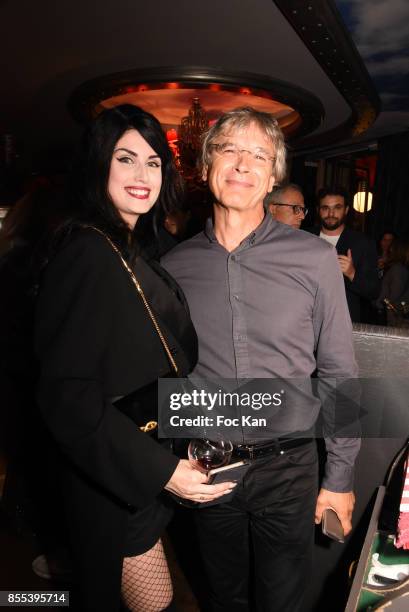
{"type": "Point", "coordinates": [189, 483]}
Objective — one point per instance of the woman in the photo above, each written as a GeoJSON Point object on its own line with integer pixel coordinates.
{"type": "Point", "coordinates": [384, 249]}
{"type": "Point", "coordinates": [395, 283]}
{"type": "Point", "coordinates": [101, 356]}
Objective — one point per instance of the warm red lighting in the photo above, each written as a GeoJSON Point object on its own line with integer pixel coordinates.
{"type": "Point", "coordinates": [175, 150]}
{"type": "Point", "coordinates": [171, 135]}
{"type": "Point", "coordinates": [163, 100]}
{"type": "Point", "coordinates": [367, 163]}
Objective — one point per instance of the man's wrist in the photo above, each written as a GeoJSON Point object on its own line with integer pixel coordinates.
{"type": "Point", "coordinates": [338, 479]}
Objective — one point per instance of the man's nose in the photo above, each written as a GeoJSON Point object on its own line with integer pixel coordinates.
{"type": "Point", "coordinates": [242, 161]}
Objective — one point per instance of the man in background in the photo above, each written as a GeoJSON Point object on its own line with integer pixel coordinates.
{"type": "Point", "coordinates": [286, 205]}
{"type": "Point", "coordinates": [356, 252]}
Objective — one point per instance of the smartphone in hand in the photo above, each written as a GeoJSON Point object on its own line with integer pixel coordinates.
{"type": "Point", "coordinates": [332, 526]}
{"type": "Point", "coordinates": [233, 472]}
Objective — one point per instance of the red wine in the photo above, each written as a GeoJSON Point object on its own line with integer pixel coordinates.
{"type": "Point", "coordinates": [213, 460]}
{"type": "Point", "coordinates": [205, 463]}
{"type": "Point", "coordinates": [206, 454]}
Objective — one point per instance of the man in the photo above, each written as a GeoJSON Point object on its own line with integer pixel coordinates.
{"type": "Point", "coordinates": [263, 298]}
{"type": "Point", "coordinates": [356, 252]}
{"type": "Point", "coordinates": [286, 205]}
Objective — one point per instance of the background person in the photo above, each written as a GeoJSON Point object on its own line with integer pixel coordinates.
{"type": "Point", "coordinates": [31, 503]}
{"type": "Point", "coordinates": [286, 205]}
{"type": "Point", "coordinates": [385, 244]}
{"type": "Point", "coordinates": [395, 283]}
{"type": "Point", "coordinates": [100, 358]}
{"type": "Point", "coordinates": [356, 252]}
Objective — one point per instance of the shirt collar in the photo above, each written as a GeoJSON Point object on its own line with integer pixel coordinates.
{"type": "Point", "coordinates": [257, 235]}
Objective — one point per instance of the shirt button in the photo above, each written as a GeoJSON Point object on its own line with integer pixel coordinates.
{"type": "Point", "coordinates": [236, 297]}
{"type": "Point", "coordinates": [233, 258]}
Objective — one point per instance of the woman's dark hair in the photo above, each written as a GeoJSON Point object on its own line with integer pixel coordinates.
{"type": "Point", "coordinates": [90, 196]}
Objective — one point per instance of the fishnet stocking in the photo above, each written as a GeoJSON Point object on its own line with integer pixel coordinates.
{"type": "Point", "coordinates": [146, 582]}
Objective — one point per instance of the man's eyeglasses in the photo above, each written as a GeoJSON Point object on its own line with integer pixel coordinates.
{"type": "Point", "coordinates": [228, 150]}
{"type": "Point", "coordinates": [337, 207]}
{"type": "Point", "coordinates": [297, 210]}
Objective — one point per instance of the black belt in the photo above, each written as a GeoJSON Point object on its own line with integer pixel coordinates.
{"type": "Point", "coordinates": [274, 447]}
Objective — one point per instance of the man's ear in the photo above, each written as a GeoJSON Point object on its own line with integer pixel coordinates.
{"type": "Point", "coordinates": [204, 172]}
{"type": "Point", "coordinates": [346, 210]}
{"type": "Point", "coordinates": [271, 183]}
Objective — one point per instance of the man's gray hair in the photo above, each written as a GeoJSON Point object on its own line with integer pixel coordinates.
{"type": "Point", "coordinates": [241, 118]}
{"type": "Point", "coordinates": [277, 193]}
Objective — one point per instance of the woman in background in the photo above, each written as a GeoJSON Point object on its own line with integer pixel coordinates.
{"type": "Point", "coordinates": [395, 283]}
{"type": "Point", "coordinates": [384, 249]}
{"type": "Point", "coordinates": [101, 356]}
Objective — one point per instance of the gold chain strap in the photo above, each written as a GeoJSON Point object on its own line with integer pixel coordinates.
{"type": "Point", "coordinates": [144, 300]}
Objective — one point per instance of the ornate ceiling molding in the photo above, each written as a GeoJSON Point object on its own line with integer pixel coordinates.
{"type": "Point", "coordinates": [85, 101]}
{"type": "Point", "coordinates": [320, 26]}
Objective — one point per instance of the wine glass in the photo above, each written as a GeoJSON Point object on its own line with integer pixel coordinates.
{"type": "Point", "coordinates": [207, 454]}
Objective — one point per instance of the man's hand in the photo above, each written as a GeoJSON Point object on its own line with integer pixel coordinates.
{"type": "Point", "coordinates": [342, 503]}
{"type": "Point", "coordinates": [381, 263]}
{"type": "Point", "coordinates": [347, 265]}
{"type": "Point", "coordinates": [189, 483]}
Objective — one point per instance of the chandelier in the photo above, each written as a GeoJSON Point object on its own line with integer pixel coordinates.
{"type": "Point", "coordinates": [191, 130]}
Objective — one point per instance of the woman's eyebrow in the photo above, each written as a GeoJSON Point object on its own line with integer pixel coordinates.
{"type": "Point", "coordinates": [127, 151]}
{"type": "Point", "coordinates": [133, 153]}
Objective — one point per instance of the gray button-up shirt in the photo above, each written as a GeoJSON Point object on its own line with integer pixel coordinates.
{"type": "Point", "coordinates": [273, 307]}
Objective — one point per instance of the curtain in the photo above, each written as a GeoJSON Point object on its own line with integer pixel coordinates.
{"type": "Point", "coordinates": [391, 193]}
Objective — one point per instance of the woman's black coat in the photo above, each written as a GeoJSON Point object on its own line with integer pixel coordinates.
{"type": "Point", "coordinates": [96, 342]}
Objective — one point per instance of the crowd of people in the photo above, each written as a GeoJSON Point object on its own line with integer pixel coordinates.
{"type": "Point", "coordinates": [95, 321]}
{"type": "Point", "coordinates": [376, 279]}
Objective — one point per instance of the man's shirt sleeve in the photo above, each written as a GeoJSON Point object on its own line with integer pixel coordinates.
{"type": "Point", "coordinates": [336, 367]}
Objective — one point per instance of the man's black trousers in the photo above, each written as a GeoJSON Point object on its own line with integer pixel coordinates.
{"type": "Point", "coordinates": [268, 528]}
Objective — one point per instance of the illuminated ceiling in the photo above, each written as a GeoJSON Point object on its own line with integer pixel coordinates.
{"type": "Point", "coordinates": [168, 92]}
{"type": "Point", "coordinates": [289, 42]}
{"type": "Point", "coordinates": [171, 105]}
